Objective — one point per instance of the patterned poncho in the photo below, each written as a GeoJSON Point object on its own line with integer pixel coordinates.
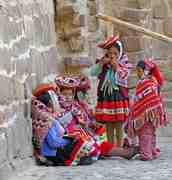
{"type": "Point", "coordinates": [147, 104]}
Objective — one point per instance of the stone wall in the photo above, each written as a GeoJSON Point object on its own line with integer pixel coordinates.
{"type": "Point", "coordinates": [30, 48]}
{"type": "Point", "coordinates": [27, 53]}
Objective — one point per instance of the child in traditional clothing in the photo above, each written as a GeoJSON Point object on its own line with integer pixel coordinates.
{"type": "Point", "coordinates": [113, 102]}
{"type": "Point", "coordinates": [147, 110]}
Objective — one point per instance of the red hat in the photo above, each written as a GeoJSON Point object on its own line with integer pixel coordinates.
{"type": "Point", "coordinates": [109, 42]}
{"type": "Point", "coordinates": [42, 88]}
{"type": "Point", "coordinates": [70, 82]}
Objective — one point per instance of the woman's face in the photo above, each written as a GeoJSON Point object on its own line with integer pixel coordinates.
{"type": "Point", "coordinates": [113, 53]}
{"type": "Point", "coordinates": [139, 72]}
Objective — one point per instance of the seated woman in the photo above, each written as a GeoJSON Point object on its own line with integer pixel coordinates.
{"type": "Point", "coordinates": [82, 118]}
{"type": "Point", "coordinates": [49, 138]}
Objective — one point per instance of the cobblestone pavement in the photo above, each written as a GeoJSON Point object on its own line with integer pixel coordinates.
{"type": "Point", "coordinates": [114, 169]}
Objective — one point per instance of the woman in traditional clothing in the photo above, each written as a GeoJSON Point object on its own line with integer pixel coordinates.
{"type": "Point", "coordinates": [147, 111]}
{"type": "Point", "coordinates": [50, 139]}
{"type": "Point", "coordinates": [113, 102]}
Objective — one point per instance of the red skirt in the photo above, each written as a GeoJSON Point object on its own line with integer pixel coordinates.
{"type": "Point", "coordinates": [112, 111]}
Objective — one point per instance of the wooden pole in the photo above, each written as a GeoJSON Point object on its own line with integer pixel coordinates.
{"type": "Point", "coordinates": [137, 28]}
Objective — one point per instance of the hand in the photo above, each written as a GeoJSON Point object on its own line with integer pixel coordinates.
{"type": "Point", "coordinates": [105, 60]}
{"type": "Point", "coordinates": [114, 64]}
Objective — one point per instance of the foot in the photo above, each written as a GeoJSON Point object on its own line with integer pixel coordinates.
{"type": "Point", "coordinates": [132, 152]}
{"type": "Point", "coordinates": [41, 161]}
{"type": "Point", "coordinates": [86, 161]}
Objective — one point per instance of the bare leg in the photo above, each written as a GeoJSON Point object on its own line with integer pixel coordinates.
{"type": "Point", "coordinates": [127, 153]}
{"type": "Point", "coordinates": [110, 132]}
{"type": "Point", "coordinates": [119, 133]}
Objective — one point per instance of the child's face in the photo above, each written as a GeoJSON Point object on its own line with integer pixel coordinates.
{"type": "Point", "coordinates": [139, 72]}
{"type": "Point", "coordinates": [113, 53]}
{"type": "Point", "coordinates": [68, 94]}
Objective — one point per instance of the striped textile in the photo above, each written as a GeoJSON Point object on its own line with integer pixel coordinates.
{"type": "Point", "coordinates": [112, 111]}
{"type": "Point", "coordinates": [148, 99]}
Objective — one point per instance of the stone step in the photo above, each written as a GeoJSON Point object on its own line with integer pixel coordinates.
{"type": "Point", "coordinates": [132, 14]}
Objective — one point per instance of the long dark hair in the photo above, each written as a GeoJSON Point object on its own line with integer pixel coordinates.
{"type": "Point", "coordinates": [45, 98]}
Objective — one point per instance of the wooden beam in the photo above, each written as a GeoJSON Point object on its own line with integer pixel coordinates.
{"type": "Point", "coordinates": [137, 28]}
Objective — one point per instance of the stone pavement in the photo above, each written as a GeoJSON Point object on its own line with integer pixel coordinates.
{"type": "Point", "coordinates": [114, 169]}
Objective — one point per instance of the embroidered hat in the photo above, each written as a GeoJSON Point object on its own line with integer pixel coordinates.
{"type": "Point", "coordinates": [67, 82]}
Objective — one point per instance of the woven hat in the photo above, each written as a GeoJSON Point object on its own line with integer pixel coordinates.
{"type": "Point", "coordinates": [109, 42]}
{"type": "Point", "coordinates": [67, 82]}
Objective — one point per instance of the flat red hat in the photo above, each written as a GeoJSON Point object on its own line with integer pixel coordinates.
{"type": "Point", "coordinates": [42, 88]}
{"type": "Point", "coordinates": [109, 42]}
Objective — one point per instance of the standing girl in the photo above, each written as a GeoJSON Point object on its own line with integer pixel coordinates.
{"type": "Point", "coordinates": [113, 102]}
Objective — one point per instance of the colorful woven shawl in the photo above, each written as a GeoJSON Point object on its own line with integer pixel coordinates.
{"type": "Point", "coordinates": [148, 101]}
{"type": "Point", "coordinates": [119, 77]}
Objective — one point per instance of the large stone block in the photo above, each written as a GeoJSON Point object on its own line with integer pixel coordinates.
{"type": "Point", "coordinates": [137, 4]}
{"type": "Point", "coordinates": [3, 147]}
{"type": "Point", "coordinates": [133, 43]}
{"type": "Point", "coordinates": [92, 7]}
{"type": "Point", "coordinates": [131, 14]}
{"type": "Point", "coordinates": [144, 4]}
{"type": "Point", "coordinates": [5, 63]}
{"type": "Point", "coordinates": [2, 116]}
{"type": "Point", "coordinates": [6, 94]}
{"type": "Point", "coordinates": [168, 27]}
{"type": "Point", "coordinates": [20, 47]}
{"type": "Point", "coordinates": [134, 57]}
{"type": "Point", "coordinates": [160, 9]}
{"type": "Point", "coordinates": [48, 28]}
{"type": "Point", "coordinates": [160, 50]}
{"type": "Point", "coordinates": [40, 30]}
{"type": "Point", "coordinates": [10, 29]}
{"type": "Point", "coordinates": [92, 23]}
{"type": "Point", "coordinates": [31, 83]}
{"type": "Point", "coordinates": [51, 59]}
{"type": "Point", "coordinates": [158, 25]}
{"type": "Point", "coordinates": [28, 8]}
{"type": "Point", "coordinates": [46, 6]}
{"type": "Point", "coordinates": [44, 62]}
{"type": "Point", "coordinates": [79, 21]}
{"type": "Point", "coordinates": [36, 64]}
{"type": "Point", "coordinates": [14, 11]}
{"type": "Point", "coordinates": [18, 90]}
{"type": "Point", "coordinates": [22, 65]}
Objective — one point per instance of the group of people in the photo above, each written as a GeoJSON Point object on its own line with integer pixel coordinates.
{"type": "Point", "coordinates": [66, 131]}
